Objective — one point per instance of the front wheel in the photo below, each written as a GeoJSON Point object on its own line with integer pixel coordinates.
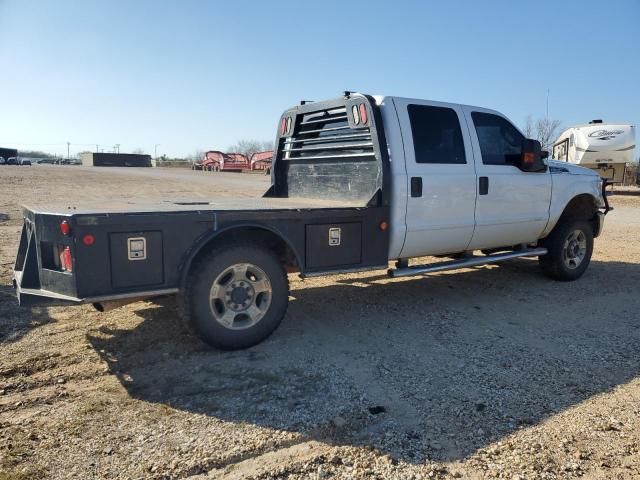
{"type": "Point", "coordinates": [235, 297]}
{"type": "Point", "coordinates": [570, 246]}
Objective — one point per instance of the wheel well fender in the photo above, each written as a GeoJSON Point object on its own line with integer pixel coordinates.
{"type": "Point", "coordinates": [580, 207]}
{"type": "Point", "coordinates": [256, 233]}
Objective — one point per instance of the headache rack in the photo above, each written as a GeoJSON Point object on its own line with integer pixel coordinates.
{"type": "Point", "coordinates": [330, 149]}
{"type": "Point", "coordinates": [327, 135]}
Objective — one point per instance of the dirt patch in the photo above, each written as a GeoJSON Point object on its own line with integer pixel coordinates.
{"type": "Point", "coordinates": [491, 372]}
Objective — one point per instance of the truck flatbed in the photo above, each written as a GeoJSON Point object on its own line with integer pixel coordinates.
{"type": "Point", "coordinates": [191, 205]}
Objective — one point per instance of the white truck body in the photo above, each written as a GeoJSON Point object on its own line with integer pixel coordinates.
{"type": "Point", "coordinates": [451, 216]}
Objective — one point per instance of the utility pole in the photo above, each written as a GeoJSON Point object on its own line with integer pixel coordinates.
{"type": "Point", "coordinates": [547, 104]}
{"type": "Point", "coordinates": [68, 145]}
{"type": "Point", "coordinates": [155, 150]}
{"type": "Point", "coordinates": [117, 147]}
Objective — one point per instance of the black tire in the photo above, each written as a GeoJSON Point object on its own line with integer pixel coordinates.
{"type": "Point", "coordinates": [197, 307]}
{"type": "Point", "coordinates": [557, 263]}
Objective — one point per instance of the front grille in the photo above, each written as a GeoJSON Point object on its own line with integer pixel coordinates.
{"type": "Point", "coordinates": [326, 135]}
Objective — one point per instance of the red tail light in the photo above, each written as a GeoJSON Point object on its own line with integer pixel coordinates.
{"type": "Point", "coordinates": [363, 113]}
{"type": "Point", "coordinates": [65, 228]}
{"type": "Point", "coordinates": [88, 239]}
{"type": "Point", "coordinates": [283, 126]}
{"type": "Point", "coordinates": [65, 260]}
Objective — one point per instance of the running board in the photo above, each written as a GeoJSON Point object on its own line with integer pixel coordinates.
{"type": "Point", "coordinates": [466, 262]}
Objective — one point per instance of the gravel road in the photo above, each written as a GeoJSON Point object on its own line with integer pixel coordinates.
{"type": "Point", "coordinates": [489, 372]}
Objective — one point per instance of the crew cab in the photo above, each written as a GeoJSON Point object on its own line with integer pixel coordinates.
{"type": "Point", "coordinates": [356, 182]}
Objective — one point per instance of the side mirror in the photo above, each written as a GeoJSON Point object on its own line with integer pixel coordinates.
{"type": "Point", "coordinates": [531, 157]}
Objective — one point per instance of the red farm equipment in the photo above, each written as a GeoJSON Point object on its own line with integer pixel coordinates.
{"type": "Point", "coordinates": [262, 161]}
{"type": "Point", "coordinates": [216, 161]}
{"type": "Point", "coordinates": [235, 162]}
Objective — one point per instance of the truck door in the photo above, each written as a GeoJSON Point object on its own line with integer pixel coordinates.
{"type": "Point", "coordinates": [441, 179]}
{"type": "Point", "coordinates": [512, 206]}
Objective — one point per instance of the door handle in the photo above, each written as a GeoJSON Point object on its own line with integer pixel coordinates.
{"type": "Point", "coordinates": [416, 186]}
{"type": "Point", "coordinates": [483, 188]}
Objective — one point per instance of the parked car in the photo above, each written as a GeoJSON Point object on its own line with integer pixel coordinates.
{"type": "Point", "coordinates": [357, 181]}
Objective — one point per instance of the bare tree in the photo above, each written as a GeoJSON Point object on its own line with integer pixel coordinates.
{"type": "Point", "coordinates": [528, 127]}
{"type": "Point", "coordinates": [545, 130]}
{"type": "Point", "coordinates": [249, 147]}
{"type": "Point", "coordinates": [196, 156]}
{"type": "Point", "coordinates": [35, 154]}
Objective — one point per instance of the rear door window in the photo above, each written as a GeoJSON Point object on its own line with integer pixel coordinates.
{"type": "Point", "coordinates": [437, 137]}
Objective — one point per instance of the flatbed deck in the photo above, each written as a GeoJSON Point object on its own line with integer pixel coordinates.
{"type": "Point", "coordinates": [191, 205]}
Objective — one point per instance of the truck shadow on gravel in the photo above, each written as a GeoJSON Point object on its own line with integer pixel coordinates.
{"type": "Point", "coordinates": [16, 322]}
{"type": "Point", "coordinates": [418, 368]}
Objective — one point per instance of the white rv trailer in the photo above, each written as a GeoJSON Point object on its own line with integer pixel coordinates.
{"type": "Point", "coordinates": [604, 147]}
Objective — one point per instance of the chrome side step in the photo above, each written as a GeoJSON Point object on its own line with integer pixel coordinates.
{"type": "Point", "coordinates": [466, 262]}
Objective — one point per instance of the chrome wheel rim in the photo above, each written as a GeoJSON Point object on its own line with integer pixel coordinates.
{"type": "Point", "coordinates": [240, 296]}
{"type": "Point", "coordinates": [575, 249]}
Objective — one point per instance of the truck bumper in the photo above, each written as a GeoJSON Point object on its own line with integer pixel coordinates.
{"type": "Point", "coordinates": [599, 224]}
{"type": "Point", "coordinates": [32, 297]}
{"type": "Point", "coordinates": [36, 297]}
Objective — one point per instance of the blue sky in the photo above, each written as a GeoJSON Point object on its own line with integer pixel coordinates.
{"type": "Point", "coordinates": [193, 75]}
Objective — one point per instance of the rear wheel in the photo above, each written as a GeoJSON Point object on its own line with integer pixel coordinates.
{"type": "Point", "coordinates": [235, 297]}
{"type": "Point", "coordinates": [570, 246]}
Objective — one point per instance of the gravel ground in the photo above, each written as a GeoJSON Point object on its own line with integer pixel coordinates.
{"type": "Point", "coordinates": [490, 372]}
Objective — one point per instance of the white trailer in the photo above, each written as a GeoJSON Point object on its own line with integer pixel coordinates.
{"type": "Point", "coordinates": [604, 147]}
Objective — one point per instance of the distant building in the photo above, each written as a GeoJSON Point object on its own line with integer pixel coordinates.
{"type": "Point", "coordinates": [6, 154]}
{"type": "Point", "coordinates": [115, 160]}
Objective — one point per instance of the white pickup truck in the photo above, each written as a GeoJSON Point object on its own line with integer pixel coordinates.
{"type": "Point", "coordinates": [357, 181]}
